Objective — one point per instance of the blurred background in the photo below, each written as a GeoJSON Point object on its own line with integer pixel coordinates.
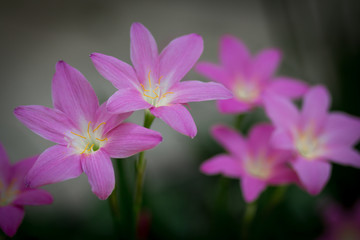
{"type": "Point", "coordinates": [320, 44]}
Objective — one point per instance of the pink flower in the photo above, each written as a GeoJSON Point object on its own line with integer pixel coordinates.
{"type": "Point", "coordinates": [248, 78]}
{"type": "Point", "coordinates": [315, 135]}
{"type": "Point", "coordinates": [252, 160]}
{"type": "Point", "coordinates": [14, 195]}
{"type": "Point", "coordinates": [154, 81]}
{"type": "Point", "coordinates": [86, 134]}
{"type": "Point", "coordinates": [341, 224]}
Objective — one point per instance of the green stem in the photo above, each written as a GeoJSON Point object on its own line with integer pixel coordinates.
{"type": "Point", "coordinates": [140, 171]}
{"type": "Point", "coordinates": [250, 212]}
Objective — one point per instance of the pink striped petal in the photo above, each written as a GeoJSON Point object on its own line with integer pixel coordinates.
{"type": "Point", "coordinates": [288, 87]}
{"type": "Point", "coordinates": [344, 155]}
{"type": "Point", "coordinates": [99, 169]}
{"type": "Point", "coordinates": [234, 55]}
{"type": "Point", "coordinates": [119, 73]}
{"type": "Point", "coordinates": [110, 120]}
{"type": "Point", "coordinates": [214, 72]}
{"type": "Point", "coordinates": [128, 139]}
{"type": "Point", "coordinates": [281, 111]}
{"type": "Point", "coordinates": [196, 91]}
{"type": "Point", "coordinates": [33, 197]}
{"type": "Point", "coordinates": [222, 164]}
{"type": "Point", "coordinates": [55, 164]}
{"type": "Point", "coordinates": [232, 106]}
{"type": "Point", "coordinates": [73, 94]}
{"type": "Point", "coordinates": [143, 51]}
{"type": "Point", "coordinates": [4, 165]}
{"type": "Point", "coordinates": [314, 174]}
{"type": "Point", "coordinates": [266, 63]}
{"type": "Point", "coordinates": [177, 117]}
{"type": "Point", "coordinates": [10, 219]}
{"type": "Point", "coordinates": [251, 187]}
{"type": "Point", "coordinates": [230, 139]}
{"type": "Point", "coordinates": [341, 129]}
{"type": "Point", "coordinates": [179, 57]}
{"type": "Point", "coordinates": [50, 124]}
{"type": "Point", "coordinates": [126, 100]}
{"type": "Point", "coordinates": [316, 105]}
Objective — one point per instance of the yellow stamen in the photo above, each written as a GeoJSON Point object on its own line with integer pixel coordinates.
{"type": "Point", "coordinates": [156, 95]}
{"type": "Point", "coordinates": [78, 135]}
{"type": "Point", "coordinates": [85, 148]}
{"type": "Point", "coordinates": [88, 129]}
{"type": "Point", "coordinates": [91, 147]}
{"type": "Point", "coordinates": [165, 94]}
{"type": "Point", "coordinates": [99, 126]}
{"type": "Point", "coordinates": [102, 139]}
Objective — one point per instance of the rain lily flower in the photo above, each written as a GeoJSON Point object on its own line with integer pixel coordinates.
{"type": "Point", "coordinates": [86, 134]}
{"type": "Point", "coordinates": [14, 194]}
{"type": "Point", "coordinates": [248, 77]}
{"type": "Point", "coordinates": [154, 81]}
{"type": "Point", "coordinates": [253, 160]}
{"type": "Point", "coordinates": [315, 135]}
{"type": "Point", "coordinates": [341, 224]}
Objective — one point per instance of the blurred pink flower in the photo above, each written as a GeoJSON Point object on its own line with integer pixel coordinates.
{"type": "Point", "coordinates": [154, 81]}
{"type": "Point", "coordinates": [87, 135]}
{"type": "Point", "coordinates": [340, 224]}
{"type": "Point", "coordinates": [247, 77]}
{"type": "Point", "coordinates": [252, 160]}
{"type": "Point", "coordinates": [14, 194]}
{"type": "Point", "coordinates": [315, 135]}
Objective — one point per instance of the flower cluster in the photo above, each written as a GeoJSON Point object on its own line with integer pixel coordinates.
{"type": "Point", "coordinates": [297, 146]}
{"type": "Point", "coordinates": [88, 135]}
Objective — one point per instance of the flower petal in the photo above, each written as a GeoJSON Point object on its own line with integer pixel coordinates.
{"type": "Point", "coordinates": [251, 187]}
{"type": "Point", "coordinates": [344, 156]}
{"type": "Point", "coordinates": [21, 168]}
{"type": "Point", "coordinates": [179, 57]}
{"type": "Point", "coordinates": [99, 169]}
{"type": "Point", "coordinates": [214, 72]}
{"type": "Point", "coordinates": [222, 164]}
{"type": "Point", "coordinates": [283, 175]}
{"type": "Point", "coordinates": [281, 111]}
{"type": "Point", "coordinates": [73, 94]}
{"type": "Point", "coordinates": [143, 51]}
{"type": "Point", "coordinates": [313, 174]}
{"type": "Point", "coordinates": [232, 106]}
{"type": "Point", "coordinates": [10, 219]}
{"type": "Point", "coordinates": [126, 100]}
{"type": "Point", "coordinates": [4, 165]}
{"type": "Point", "coordinates": [266, 62]}
{"type": "Point", "coordinates": [316, 104]}
{"type": "Point", "coordinates": [234, 55]}
{"type": "Point", "coordinates": [230, 139]}
{"type": "Point", "coordinates": [196, 91]}
{"type": "Point", "coordinates": [55, 164]}
{"type": "Point", "coordinates": [50, 124]}
{"type": "Point", "coordinates": [282, 139]}
{"type": "Point", "coordinates": [177, 117]}
{"type": "Point", "coordinates": [259, 136]}
{"type": "Point", "coordinates": [110, 120]}
{"type": "Point", "coordinates": [33, 197]}
{"type": "Point", "coordinates": [341, 129]}
{"type": "Point", "coordinates": [288, 87]}
{"type": "Point", "coordinates": [128, 139]}
{"type": "Point", "coordinates": [119, 73]}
